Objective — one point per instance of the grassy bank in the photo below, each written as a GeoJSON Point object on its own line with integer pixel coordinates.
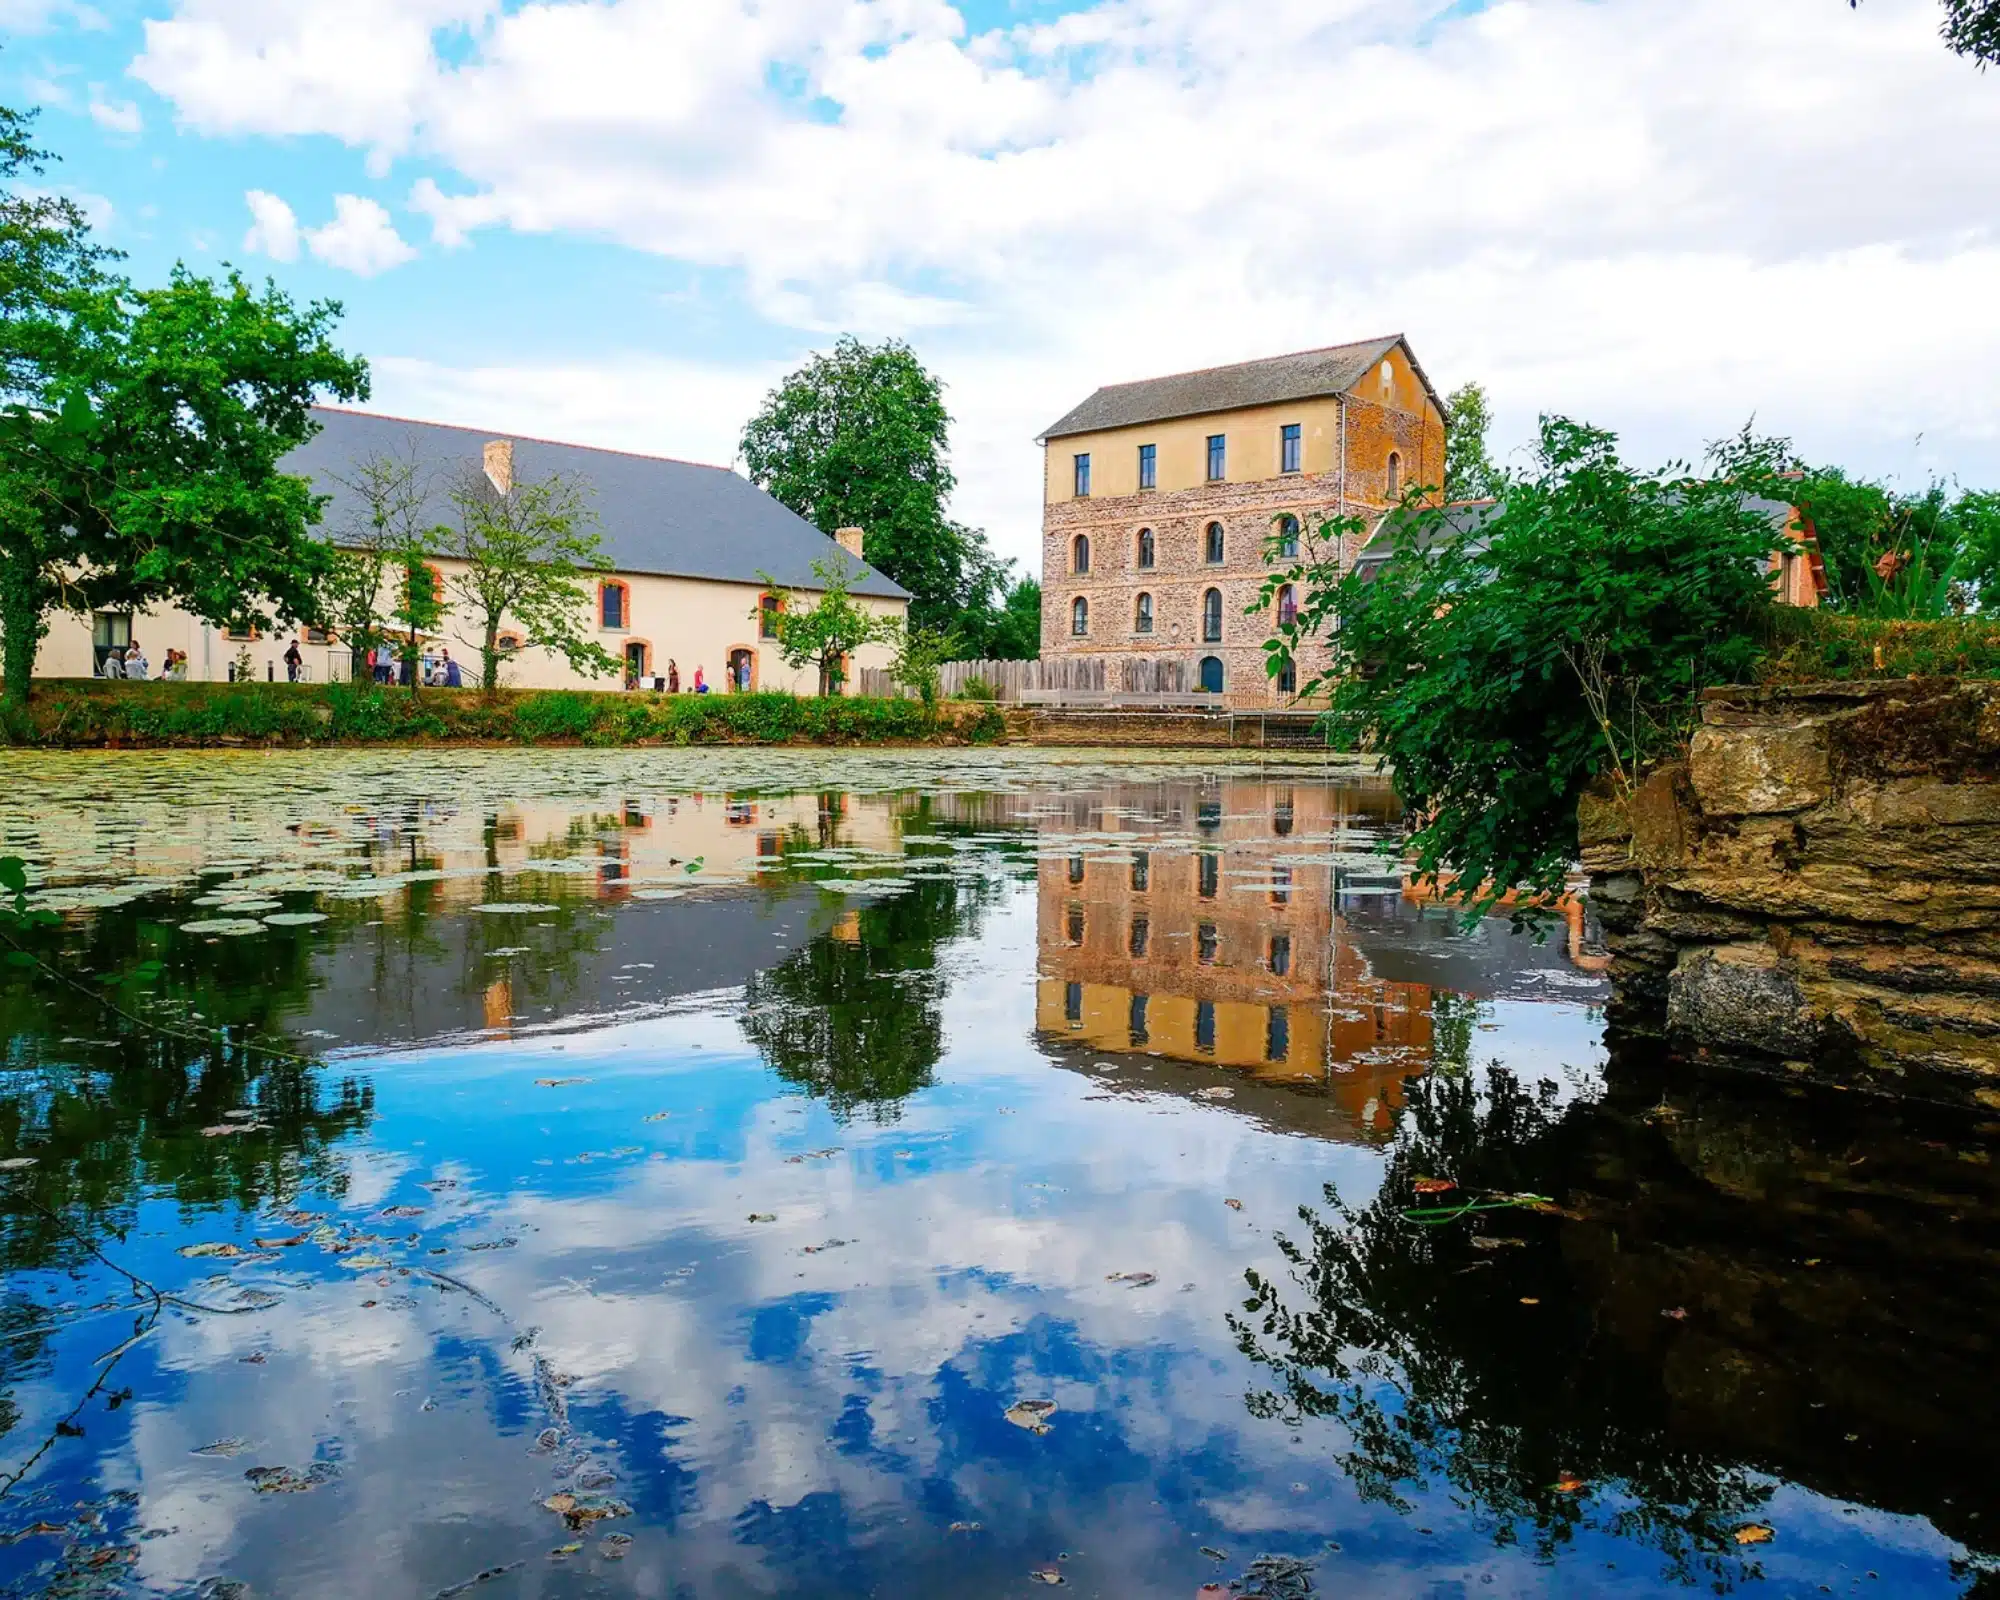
{"type": "Point", "coordinates": [74, 713]}
{"type": "Point", "coordinates": [1815, 646]}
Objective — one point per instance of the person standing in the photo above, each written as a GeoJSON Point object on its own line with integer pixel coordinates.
{"type": "Point", "coordinates": [294, 659]}
{"type": "Point", "coordinates": [453, 679]}
{"type": "Point", "coordinates": [673, 677]}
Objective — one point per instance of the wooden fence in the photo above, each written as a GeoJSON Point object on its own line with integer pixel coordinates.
{"type": "Point", "coordinates": [1011, 680]}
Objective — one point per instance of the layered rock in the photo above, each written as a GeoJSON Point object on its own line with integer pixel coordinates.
{"type": "Point", "coordinates": [1817, 885]}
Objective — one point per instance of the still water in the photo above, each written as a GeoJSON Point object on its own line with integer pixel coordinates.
{"type": "Point", "coordinates": [754, 1173]}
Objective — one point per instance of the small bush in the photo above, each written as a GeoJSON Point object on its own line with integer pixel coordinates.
{"type": "Point", "coordinates": [977, 689]}
{"type": "Point", "coordinates": [1815, 646]}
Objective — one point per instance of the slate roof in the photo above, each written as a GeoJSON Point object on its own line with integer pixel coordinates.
{"type": "Point", "coordinates": [654, 515]}
{"type": "Point", "coordinates": [1305, 375]}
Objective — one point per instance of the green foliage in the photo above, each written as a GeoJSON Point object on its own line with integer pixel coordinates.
{"type": "Point", "coordinates": [977, 689]}
{"type": "Point", "coordinates": [525, 553]}
{"type": "Point", "coordinates": [857, 438]}
{"type": "Point", "coordinates": [920, 656]}
{"type": "Point", "coordinates": [1817, 646]}
{"type": "Point", "coordinates": [1469, 472]}
{"type": "Point", "coordinates": [1012, 631]}
{"type": "Point", "coordinates": [1499, 665]}
{"type": "Point", "coordinates": [97, 712]}
{"type": "Point", "coordinates": [386, 534]}
{"type": "Point", "coordinates": [142, 430]}
{"type": "Point", "coordinates": [1972, 28]}
{"type": "Point", "coordinates": [1900, 555]}
{"type": "Point", "coordinates": [833, 627]}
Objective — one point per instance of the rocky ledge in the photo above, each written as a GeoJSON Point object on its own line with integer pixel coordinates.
{"type": "Point", "coordinates": [1816, 888]}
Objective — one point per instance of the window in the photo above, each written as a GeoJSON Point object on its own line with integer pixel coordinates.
{"type": "Point", "coordinates": [1281, 816]}
{"type": "Point", "coordinates": [1208, 815]}
{"type": "Point", "coordinates": [1281, 886]}
{"type": "Point", "coordinates": [1217, 457]}
{"type": "Point", "coordinates": [1147, 554]}
{"type": "Point", "coordinates": [1288, 605]}
{"type": "Point", "coordinates": [1281, 955]}
{"type": "Point", "coordinates": [1079, 616]}
{"type": "Point", "coordinates": [1142, 935]}
{"type": "Point", "coordinates": [1278, 1034]}
{"type": "Point", "coordinates": [1076, 869]}
{"type": "Point", "coordinates": [1211, 550]}
{"type": "Point", "coordinates": [611, 606]}
{"type": "Point", "coordinates": [1136, 1022]}
{"type": "Point", "coordinates": [1149, 466]}
{"type": "Point", "coordinates": [507, 643]}
{"type": "Point", "coordinates": [1075, 928]}
{"type": "Point", "coordinates": [1211, 617]}
{"type": "Point", "coordinates": [1142, 614]}
{"type": "Point", "coordinates": [1289, 447]}
{"type": "Point", "coordinates": [1207, 944]}
{"type": "Point", "coordinates": [1142, 872]}
{"type": "Point", "coordinates": [1388, 377]}
{"type": "Point", "coordinates": [1288, 677]}
{"type": "Point", "coordinates": [770, 607]}
{"type": "Point", "coordinates": [236, 630]}
{"type": "Point", "coordinates": [1395, 476]}
{"type": "Point", "coordinates": [1208, 874]}
{"type": "Point", "coordinates": [1073, 1004]}
{"type": "Point", "coordinates": [1204, 1026]}
{"type": "Point", "coordinates": [1079, 553]}
{"type": "Point", "coordinates": [1083, 477]}
{"type": "Point", "coordinates": [1288, 538]}
{"type": "Point", "coordinates": [319, 636]}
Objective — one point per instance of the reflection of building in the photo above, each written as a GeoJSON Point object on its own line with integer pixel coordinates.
{"type": "Point", "coordinates": [1197, 926]}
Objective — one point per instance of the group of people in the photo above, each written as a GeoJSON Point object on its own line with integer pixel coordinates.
{"type": "Point", "coordinates": [130, 662]}
{"type": "Point", "coordinates": [433, 668]}
{"type": "Point", "coordinates": [669, 681]}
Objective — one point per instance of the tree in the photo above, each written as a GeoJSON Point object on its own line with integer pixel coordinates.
{"type": "Point", "coordinates": [836, 626]}
{"type": "Point", "coordinates": [1971, 28]}
{"type": "Point", "coordinates": [1501, 662]}
{"type": "Point", "coordinates": [524, 553]}
{"type": "Point", "coordinates": [142, 431]}
{"type": "Point", "coordinates": [421, 607]}
{"type": "Point", "coordinates": [387, 533]}
{"type": "Point", "coordinates": [1015, 633]}
{"type": "Point", "coordinates": [857, 438]}
{"type": "Point", "coordinates": [920, 655]}
{"type": "Point", "coordinates": [1469, 472]}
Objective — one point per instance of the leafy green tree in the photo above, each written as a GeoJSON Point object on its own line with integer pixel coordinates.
{"type": "Point", "coordinates": [857, 438]}
{"type": "Point", "coordinates": [1921, 556]}
{"type": "Point", "coordinates": [1007, 630]}
{"type": "Point", "coordinates": [1469, 472]}
{"type": "Point", "coordinates": [1971, 28]}
{"type": "Point", "coordinates": [836, 625]}
{"type": "Point", "coordinates": [387, 531]}
{"type": "Point", "coordinates": [1979, 517]}
{"type": "Point", "coordinates": [1847, 515]}
{"type": "Point", "coordinates": [1500, 663]}
{"type": "Point", "coordinates": [920, 658]}
{"type": "Point", "coordinates": [420, 609]}
{"type": "Point", "coordinates": [142, 432]}
{"type": "Point", "coordinates": [524, 555]}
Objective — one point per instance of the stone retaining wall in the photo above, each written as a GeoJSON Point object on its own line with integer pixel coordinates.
{"type": "Point", "coordinates": [1817, 887]}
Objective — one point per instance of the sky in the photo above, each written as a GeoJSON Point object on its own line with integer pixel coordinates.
{"type": "Point", "coordinates": [620, 222]}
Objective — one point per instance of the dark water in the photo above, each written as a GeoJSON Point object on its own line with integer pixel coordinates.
{"type": "Point", "coordinates": [716, 1149]}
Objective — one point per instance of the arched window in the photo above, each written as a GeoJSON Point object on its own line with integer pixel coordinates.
{"type": "Point", "coordinates": [1288, 605]}
{"type": "Point", "coordinates": [1142, 614]}
{"type": "Point", "coordinates": [1079, 616]}
{"type": "Point", "coordinates": [613, 606]}
{"type": "Point", "coordinates": [1211, 616]}
{"type": "Point", "coordinates": [1079, 554]}
{"type": "Point", "coordinates": [1395, 476]}
{"type": "Point", "coordinates": [1212, 548]}
{"type": "Point", "coordinates": [1146, 553]}
{"type": "Point", "coordinates": [1288, 538]}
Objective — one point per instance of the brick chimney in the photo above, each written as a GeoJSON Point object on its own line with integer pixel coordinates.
{"type": "Point", "coordinates": [849, 539]}
{"type": "Point", "coordinates": [500, 465]}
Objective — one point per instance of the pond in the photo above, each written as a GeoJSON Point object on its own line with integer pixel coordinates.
{"type": "Point", "coordinates": [765, 1173]}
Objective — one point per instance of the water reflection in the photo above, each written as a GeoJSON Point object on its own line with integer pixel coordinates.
{"type": "Point", "coordinates": [660, 1179]}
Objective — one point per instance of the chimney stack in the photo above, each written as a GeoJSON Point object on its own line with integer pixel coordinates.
{"type": "Point", "coordinates": [849, 539]}
{"type": "Point", "coordinates": [500, 465]}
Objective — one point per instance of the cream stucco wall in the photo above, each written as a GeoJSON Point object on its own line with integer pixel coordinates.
{"type": "Point", "coordinates": [693, 622]}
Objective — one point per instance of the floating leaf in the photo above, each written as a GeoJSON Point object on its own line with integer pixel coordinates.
{"type": "Point", "coordinates": [1755, 1533]}
{"type": "Point", "coordinates": [1031, 1414]}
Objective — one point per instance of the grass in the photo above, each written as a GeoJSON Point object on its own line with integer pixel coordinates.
{"type": "Point", "coordinates": [94, 712]}
{"type": "Point", "coordinates": [1821, 646]}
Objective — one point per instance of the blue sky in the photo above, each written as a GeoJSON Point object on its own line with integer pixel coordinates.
{"type": "Point", "coordinates": [619, 221]}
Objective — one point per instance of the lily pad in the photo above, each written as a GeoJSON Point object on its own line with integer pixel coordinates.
{"type": "Point", "coordinates": [294, 919]}
{"type": "Point", "coordinates": [228, 927]}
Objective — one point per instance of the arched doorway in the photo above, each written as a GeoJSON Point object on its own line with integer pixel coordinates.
{"type": "Point", "coordinates": [742, 669]}
{"type": "Point", "coordinates": [1210, 673]}
{"type": "Point", "coordinates": [635, 662]}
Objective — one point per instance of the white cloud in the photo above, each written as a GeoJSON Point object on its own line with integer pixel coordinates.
{"type": "Point", "coordinates": [274, 230]}
{"type": "Point", "coordinates": [115, 116]}
{"type": "Point", "coordinates": [1664, 214]}
{"type": "Point", "coordinates": [360, 238]}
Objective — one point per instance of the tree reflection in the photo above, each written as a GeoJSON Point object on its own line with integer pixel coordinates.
{"type": "Point", "coordinates": [853, 1017]}
{"type": "Point", "coordinates": [1464, 1352]}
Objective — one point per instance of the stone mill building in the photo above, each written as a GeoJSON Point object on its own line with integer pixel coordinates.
{"type": "Point", "coordinates": [1161, 496]}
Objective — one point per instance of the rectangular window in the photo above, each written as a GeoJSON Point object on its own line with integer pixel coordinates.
{"type": "Point", "coordinates": [768, 608]}
{"type": "Point", "coordinates": [1083, 477]}
{"type": "Point", "coordinates": [1142, 935]}
{"type": "Point", "coordinates": [1135, 1024]}
{"type": "Point", "coordinates": [318, 636]}
{"type": "Point", "coordinates": [1218, 460]}
{"type": "Point", "coordinates": [613, 598]}
{"type": "Point", "coordinates": [1149, 466]}
{"type": "Point", "coordinates": [1288, 448]}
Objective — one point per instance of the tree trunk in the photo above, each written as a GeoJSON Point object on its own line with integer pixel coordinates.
{"type": "Point", "coordinates": [489, 659]}
{"type": "Point", "coordinates": [23, 622]}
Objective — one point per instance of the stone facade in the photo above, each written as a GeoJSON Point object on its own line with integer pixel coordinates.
{"type": "Point", "coordinates": [1817, 887]}
{"type": "Point", "coordinates": [1346, 470]}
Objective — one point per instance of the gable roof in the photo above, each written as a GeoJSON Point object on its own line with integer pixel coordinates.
{"type": "Point", "coordinates": [1304, 375]}
{"type": "Point", "coordinates": [654, 515]}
